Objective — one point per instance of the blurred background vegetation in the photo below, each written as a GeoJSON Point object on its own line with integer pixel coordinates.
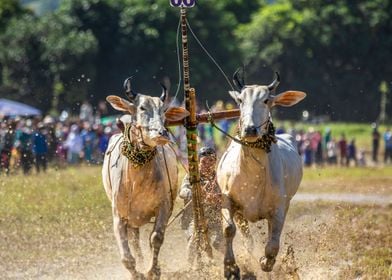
{"type": "Point", "coordinates": [55, 54]}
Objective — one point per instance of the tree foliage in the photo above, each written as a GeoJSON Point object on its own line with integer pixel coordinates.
{"type": "Point", "coordinates": [336, 51]}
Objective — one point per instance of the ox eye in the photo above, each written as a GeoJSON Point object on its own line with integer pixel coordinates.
{"type": "Point", "coordinates": [239, 100]}
{"type": "Point", "coordinates": [142, 108]}
{"type": "Point", "coordinates": [266, 101]}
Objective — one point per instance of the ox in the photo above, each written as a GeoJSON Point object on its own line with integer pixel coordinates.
{"type": "Point", "coordinates": [255, 182]}
{"type": "Point", "coordinates": [143, 184]}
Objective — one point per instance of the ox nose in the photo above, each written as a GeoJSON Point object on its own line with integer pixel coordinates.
{"type": "Point", "coordinates": [250, 131]}
{"type": "Point", "coordinates": [163, 133]}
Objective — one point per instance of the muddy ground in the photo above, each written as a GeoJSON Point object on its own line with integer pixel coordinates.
{"type": "Point", "coordinates": [314, 245]}
{"type": "Point", "coordinates": [58, 226]}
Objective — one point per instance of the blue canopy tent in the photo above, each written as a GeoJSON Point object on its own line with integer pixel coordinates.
{"type": "Point", "coordinates": [9, 108]}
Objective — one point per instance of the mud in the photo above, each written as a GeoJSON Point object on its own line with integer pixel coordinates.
{"type": "Point", "coordinates": [307, 251]}
{"type": "Point", "coordinates": [296, 259]}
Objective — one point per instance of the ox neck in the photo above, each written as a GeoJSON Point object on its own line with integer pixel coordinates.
{"type": "Point", "coordinates": [252, 156]}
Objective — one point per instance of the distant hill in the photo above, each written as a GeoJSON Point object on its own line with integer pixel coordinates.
{"type": "Point", "coordinates": [41, 6]}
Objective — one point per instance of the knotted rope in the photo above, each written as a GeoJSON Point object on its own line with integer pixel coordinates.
{"type": "Point", "coordinates": [136, 155]}
{"type": "Point", "coordinates": [264, 142]}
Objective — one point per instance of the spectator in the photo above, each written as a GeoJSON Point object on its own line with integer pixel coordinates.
{"type": "Point", "coordinates": [26, 150]}
{"type": "Point", "coordinates": [308, 154]}
{"type": "Point", "coordinates": [375, 142]}
{"type": "Point", "coordinates": [342, 144]}
{"type": "Point", "coordinates": [7, 146]}
{"type": "Point", "coordinates": [88, 137]}
{"type": "Point", "coordinates": [352, 153]}
{"type": "Point", "coordinates": [52, 141]}
{"type": "Point", "coordinates": [316, 142]}
{"type": "Point", "coordinates": [388, 146]}
{"type": "Point", "coordinates": [327, 136]}
{"type": "Point", "coordinates": [362, 158]}
{"type": "Point", "coordinates": [86, 112]}
{"type": "Point", "coordinates": [300, 138]}
{"type": "Point", "coordinates": [40, 149]}
{"type": "Point", "coordinates": [74, 145]}
{"type": "Point", "coordinates": [332, 152]}
{"type": "Point", "coordinates": [319, 154]}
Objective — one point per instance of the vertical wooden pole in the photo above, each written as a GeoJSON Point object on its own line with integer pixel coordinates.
{"type": "Point", "coordinates": [200, 238]}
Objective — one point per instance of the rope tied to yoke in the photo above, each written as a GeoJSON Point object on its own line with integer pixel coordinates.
{"type": "Point", "coordinates": [263, 143]}
{"type": "Point", "coordinates": [137, 156]}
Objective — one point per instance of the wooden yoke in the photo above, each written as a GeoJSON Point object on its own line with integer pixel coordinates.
{"type": "Point", "coordinates": [204, 117]}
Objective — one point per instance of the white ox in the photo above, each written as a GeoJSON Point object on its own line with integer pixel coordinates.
{"type": "Point", "coordinates": [139, 193]}
{"type": "Point", "coordinates": [255, 183]}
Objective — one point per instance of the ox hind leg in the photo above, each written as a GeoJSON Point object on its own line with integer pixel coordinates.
{"type": "Point", "coordinates": [121, 235]}
{"type": "Point", "coordinates": [156, 240]}
{"type": "Point", "coordinates": [275, 226]}
{"type": "Point", "coordinates": [231, 269]}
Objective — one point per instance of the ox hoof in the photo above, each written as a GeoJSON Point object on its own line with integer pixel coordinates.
{"type": "Point", "coordinates": [267, 264]}
{"type": "Point", "coordinates": [137, 276]}
{"type": "Point", "coordinates": [154, 274]}
{"type": "Point", "coordinates": [232, 272]}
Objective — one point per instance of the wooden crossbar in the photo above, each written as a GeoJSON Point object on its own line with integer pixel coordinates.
{"type": "Point", "coordinates": [204, 117]}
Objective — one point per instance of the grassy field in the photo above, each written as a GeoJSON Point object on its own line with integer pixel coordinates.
{"type": "Point", "coordinates": [58, 226]}
{"type": "Point", "coordinates": [372, 180]}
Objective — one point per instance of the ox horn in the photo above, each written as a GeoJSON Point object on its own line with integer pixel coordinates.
{"type": "Point", "coordinates": [272, 86]}
{"type": "Point", "coordinates": [164, 94]}
{"type": "Point", "coordinates": [131, 94]}
{"type": "Point", "coordinates": [238, 79]}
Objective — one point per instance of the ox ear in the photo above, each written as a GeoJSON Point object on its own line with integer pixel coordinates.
{"type": "Point", "coordinates": [235, 95]}
{"type": "Point", "coordinates": [288, 98]}
{"type": "Point", "coordinates": [121, 104]}
{"type": "Point", "coordinates": [176, 113]}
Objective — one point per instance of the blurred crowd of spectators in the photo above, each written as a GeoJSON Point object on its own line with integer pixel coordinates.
{"type": "Point", "coordinates": [34, 142]}
{"type": "Point", "coordinates": [318, 149]}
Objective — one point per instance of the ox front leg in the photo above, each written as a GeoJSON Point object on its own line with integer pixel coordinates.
{"type": "Point", "coordinates": [156, 241]}
{"type": "Point", "coordinates": [121, 234]}
{"type": "Point", "coordinates": [275, 226]}
{"type": "Point", "coordinates": [134, 235]}
{"type": "Point", "coordinates": [231, 269]}
{"type": "Point", "coordinates": [243, 225]}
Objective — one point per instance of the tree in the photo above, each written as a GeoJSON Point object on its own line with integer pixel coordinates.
{"type": "Point", "coordinates": [139, 37]}
{"type": "Point", "coordinates": [25, 75]}
{"type": "Point", "coordinates": [70, 53]}
{"type": "Point", "coordinates": [333, 50]}
{"type": "Point", "coordinates": [36, 50]}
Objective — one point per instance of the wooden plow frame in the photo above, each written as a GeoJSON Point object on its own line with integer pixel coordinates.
{"type": "Point", "coordinates": [199, 241]}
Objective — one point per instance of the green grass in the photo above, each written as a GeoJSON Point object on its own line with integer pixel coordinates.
{"type": "Point", "coordinates": [50, 194]}
{"type": "Point", "coordinates": [336, 179]}
{"type": "Point", "coordinates": [52, 215]}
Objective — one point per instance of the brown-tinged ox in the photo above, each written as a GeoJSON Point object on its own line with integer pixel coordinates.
{"type": "Point", "coordinates": [144, 186]}
{"type": "Point", "coordinates": [255, 182]}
